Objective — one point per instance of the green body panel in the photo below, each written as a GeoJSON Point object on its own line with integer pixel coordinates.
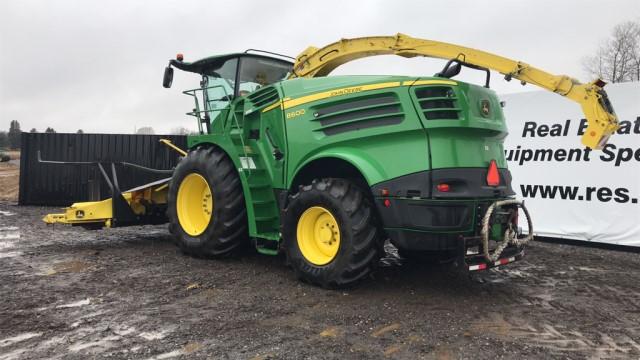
{"type": "Point", "coordinates": [374, 151]}
{"type": "Point", "coordinates": [475, 139]}
{"type": "Point", "coordinates": [388, 135]}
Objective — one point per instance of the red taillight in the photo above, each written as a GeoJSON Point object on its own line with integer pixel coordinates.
{"type": "Point", "coordinates": [493, 176]}
{"type": "Point", "coordinates": [443, 187]}
{"type": "Point", "coordinates": [384, 192]}
{"type": "Point", "coordinates": [387, 202]}
{"type": "Point", "coordinates": [179, 57]}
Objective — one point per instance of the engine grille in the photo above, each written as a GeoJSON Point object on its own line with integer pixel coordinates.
{"type": "Point", "coordinates": [438, 103]}
{"type": "Point", "coordinates": [263, 97]}
{"type": "Point", "coordinates": [361, 113]}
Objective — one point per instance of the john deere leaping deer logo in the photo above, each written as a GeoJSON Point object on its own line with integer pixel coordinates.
{"type": "Point", "coordinates": [485, 107]}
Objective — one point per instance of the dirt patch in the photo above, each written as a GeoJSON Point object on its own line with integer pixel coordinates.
{"type": "Point", "coordinates": [129, 293]}
{"type": "Point", "coordinates": [71, 266]}
{"type": "Point", "coordinates": [9, 181]}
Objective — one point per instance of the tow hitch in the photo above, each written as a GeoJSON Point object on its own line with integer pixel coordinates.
{"type": "Point", "coordinates": [482, 252]}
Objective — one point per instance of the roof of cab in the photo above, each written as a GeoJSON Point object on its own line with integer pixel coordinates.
{"type": "Point", "coordinates": [199, 65]}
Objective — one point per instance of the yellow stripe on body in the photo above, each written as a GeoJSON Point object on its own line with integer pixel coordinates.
{"type": "Point", "coordinates": [287, 103]}
{"type": "Point", "coordinates": [272, 106]}
{"type": "Point", "coordinates": [337, 92]}
{"type": "Point", "coordinates": [429, 82]}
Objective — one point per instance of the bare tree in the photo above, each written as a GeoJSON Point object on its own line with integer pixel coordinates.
{"type": "Point", "coordinates": [618, 58]}
{"type": "Point", "coordinates": [180, 130]}
{"type": "Point", "coordinates": [145, 130]}
{"type": "Point", "coordinates": [635, 54]}
{"type": "Point", "coordinates": [14, 134]}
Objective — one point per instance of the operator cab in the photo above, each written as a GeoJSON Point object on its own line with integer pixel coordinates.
{"type": "Point", "coordinates": [226, 78]}
{"type": "Point", "coordinates": [232, 75]}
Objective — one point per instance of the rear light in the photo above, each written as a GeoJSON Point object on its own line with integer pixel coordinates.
{"type": "Point", "coordinates": [179, 57]}
{"type": "Point", "coordinates": [384, 192]}
{"type": "Point", "coordinates": [387, 203]}
{"type": "Point", "coordinates": [477, 267]}
{"type": "Point", "coordinates": [493, 175]}
{"type": "Point", "coordinates": [443, 187]}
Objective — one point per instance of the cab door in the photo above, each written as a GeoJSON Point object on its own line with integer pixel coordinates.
{"type": "Point", "coordinates": [263, 124]}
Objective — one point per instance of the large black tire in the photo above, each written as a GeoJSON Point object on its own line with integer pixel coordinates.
{"type": "Point", "coordinates": [360, 239]}
{"type": "Point", "coordinates": [226, 232]}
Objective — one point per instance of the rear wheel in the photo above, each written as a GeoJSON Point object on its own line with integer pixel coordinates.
{"type": "Point", "coordinates": [206, 210]}
{"type": "Point", "coordinates": [330, 235]}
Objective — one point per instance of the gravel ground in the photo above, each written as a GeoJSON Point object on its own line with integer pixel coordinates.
{"type": "Point", "coordinates": [129, 293]}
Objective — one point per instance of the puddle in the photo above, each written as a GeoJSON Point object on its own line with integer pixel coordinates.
{"type": "Point", "coordinates": [167, 355]}
{"type": "Point", "coordinates": [15, 339]}
{"type": "Point", "coordinates": [189, 348]}
{"type": "Point", "coordinates": [10, 254]}
{"type": "Point", "coordinates": [6, 244]}
{"type": "Point", "coordinates": [84, 302]}
{"type": "Point", "coordinates": [10, 235]}
{"type": "Point", "coordinates": [103, 344]}
{"type": "Point", "coordinates": [124, 331]}
{"type": "Point", "coordinates": [153, 335]}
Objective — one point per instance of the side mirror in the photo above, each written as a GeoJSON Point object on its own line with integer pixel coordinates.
{"type": "Point", "coordinates": [450, 71]}
{"type": "Point", "coordinates": [168, 77]}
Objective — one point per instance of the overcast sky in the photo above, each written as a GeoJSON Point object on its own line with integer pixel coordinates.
{"type": "Point", "coordinates": [97, 65]}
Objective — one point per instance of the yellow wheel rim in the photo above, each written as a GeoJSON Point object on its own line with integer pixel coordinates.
{"type": "Point", "coordinates": [318, 235]}
{"type": "Point", "coordinates": [194, 204]}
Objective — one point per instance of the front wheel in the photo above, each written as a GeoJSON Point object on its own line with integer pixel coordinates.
{"type": "Point", "coordinates": [206, 207]}
{"type": "Point", "coordinates": [330, 235]}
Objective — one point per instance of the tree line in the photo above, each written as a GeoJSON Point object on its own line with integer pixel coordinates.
{"type": "Point", "coordinates": [11, 139]}
{"type": "Point", "coordinates": [617, 59]}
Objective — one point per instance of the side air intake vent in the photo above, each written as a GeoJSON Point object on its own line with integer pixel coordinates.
{"type": "Point", "coordinates": [264, 96]}
{"type": "Point", "coordinates": [438, 103]}
{"type": "Point", "coordinates": [360, 113]}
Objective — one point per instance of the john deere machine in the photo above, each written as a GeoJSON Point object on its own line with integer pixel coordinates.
{"type": "Point", "coordinates": [326, 168]}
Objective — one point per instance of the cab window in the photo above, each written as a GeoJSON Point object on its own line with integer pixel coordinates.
{"type": "Point", "coordinates": [220, 83]}
{"type": "Point", "coordinates": [256, 72]}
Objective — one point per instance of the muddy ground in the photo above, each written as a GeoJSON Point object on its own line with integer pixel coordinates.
{"type": "Point", "coordinates": [129, 293]}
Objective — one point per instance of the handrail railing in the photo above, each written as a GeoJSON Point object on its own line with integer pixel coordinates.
{"type": "Point", "coordinates": [209, 110]}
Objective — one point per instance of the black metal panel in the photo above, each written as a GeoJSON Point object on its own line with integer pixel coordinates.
{"type": "Point", "coordinates": [61, 185]}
